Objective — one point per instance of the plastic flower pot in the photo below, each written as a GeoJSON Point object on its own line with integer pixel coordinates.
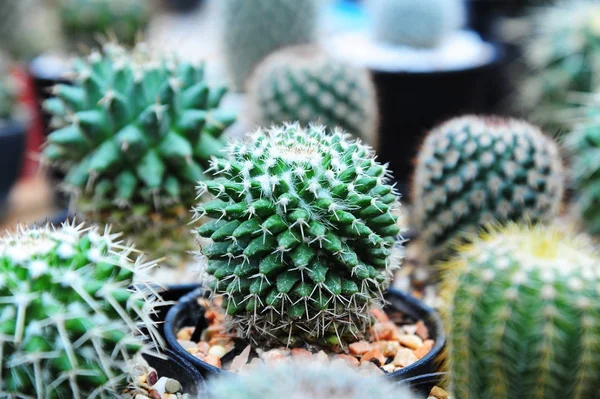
{"type": "Point", "coordinates": [189, 313]}
{"type": "Point", "coordinates": [422, 385]}
{"type": "Point", "coordinates": [179, 369]}
{"type": "Point", "coordinates": [12, 148]}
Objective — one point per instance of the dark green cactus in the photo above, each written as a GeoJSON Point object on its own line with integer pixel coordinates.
{"type": "Point", "coordinates": [524, 316]}
{"type": "Point", "coordinates": [303, 235]}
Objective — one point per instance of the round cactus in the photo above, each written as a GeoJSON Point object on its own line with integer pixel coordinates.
{"type": "Point", "coordinates": [415, 23]}
{"type": "Point", "coordinates": [135, 131]}
{"type": "Point", "coordinates": [303, 237]}
{"type": "Point", "coordinates": [305, 85]}
{"type": "Point", "coordinates": [475, 170]}
{"type": "Point", "coordinates": [69, 313]}
{"type": "Point", "coordinates": [253, 29]}
{"type": "Point", "coordinates": [524, 316]}
{"type": "Point", "coordinates": [303, 380]}
{"type": "Point", "coordinates": [563, 57]}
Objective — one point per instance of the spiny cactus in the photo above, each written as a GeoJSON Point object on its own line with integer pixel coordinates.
{"type": "Point", "coordinates": [303, 235]}
{"type": "Point", "coordinates": [474, 170]}
{"type": "Point", "coordinates": [137, 131]}
{"type": "Point", "coordinates": [252, 29]}
{"type": "Point", "coordinates": [84, 21]}
{"type": "Point", "coordinates": [303, 84]}
{"type": "Point", "coordinates": [524, 316]}
{"type": "Point", "coordinates": [69, 313]}
{"type": "Point", "coordinates": [563, 56]}
{"type": "Point", "coordinates": [303, 380]}
{"type": "Point", "coordinates": [415, 23]}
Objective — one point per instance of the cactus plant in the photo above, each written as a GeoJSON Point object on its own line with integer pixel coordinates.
{"type": "Point", "coordinates": [255, 28]}
{"type": "Point", "coordinates": [303, 380]}
{"type": "Point", "coordinates": [303, 235]}
{"type": "Point", "coordinates": [563, 58]}
{"type": "Point", "coordinates": [84, 21]}
{"type": "Point", "coordinates": [523, 315]}
{"type": "Point", "coordinates": [415, 23]}
{"type": "Point", "coordinates": [474, 170]}
{"type": "Point", "coordinates": [303, 84]}
{"type": "Point", "coordinates": [136, 131]}
{"type": "Point", "coordinates": [69, 313]}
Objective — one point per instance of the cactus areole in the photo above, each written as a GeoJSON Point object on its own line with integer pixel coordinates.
{"type": "Point", "coordinates": [302, 236]}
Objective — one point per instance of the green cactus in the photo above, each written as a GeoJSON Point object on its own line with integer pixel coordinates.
{"type": "Point", "coordinates": [563, 56]}
{"type": "Point", "coordinates": [415, 23]}
{"type": "Point", "coordinates": [303, 237]}
{"type": "Point", "coordinates": [69, 313]}
{"type": "Point", "coordinates": [303, 380]}
{"type": "Point", "coordinates": [85, 21]}
{"type": "Point", "coordinates": [475, 170]}
{"type": "Point", "coordinates": [303, 84]}
{"type": "Point", "coordinates": [524, 316]}
{"type": "Point", "coordinates": [252, 29]}
{"type": "Point", "coordinates": [136, 131]}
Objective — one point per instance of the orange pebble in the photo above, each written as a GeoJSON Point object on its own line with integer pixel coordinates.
{"type": "Point", "coordinates": [373, 354]}
{"type": "Point", "coordinates": [380, 315]}
{"type": "Point", "coordinates": [203, 347]}
{"type": "Point", "coordinates": [301, 353]}
{"type": "Point", "coordinates": [424, 349]}
{"type": "Point", "coordinates": [383, 331]}
{"type": "Point", "coordinates": [422, 330]}
{"type": "Point", "coordinates": [213, 360]}
{"type": "Point", "coordinates": [350, 360]}
{"type": "Point", "coordinates": [359, 348]}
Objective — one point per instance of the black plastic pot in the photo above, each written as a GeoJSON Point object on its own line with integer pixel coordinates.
{"type": "Point", "coordinates": [177, 368]}
{"type": "Point", "coordinates": [189, 313]}
{"type": "Point", "coordinates": [423, 384]}
{"type": "Point", "coordinates": [12, 148]}
{"type": "Point", "coordinates": [181, 5]}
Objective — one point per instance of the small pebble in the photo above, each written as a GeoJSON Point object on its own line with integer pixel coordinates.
{"type": "Point", "coordinates": [217, 351]}
{"type": "Point", "coordinates": [404, 357]}
{"type": "Point", "coordinates": [410, 341]}
{"type": "Point", "coordinates": [172, 386]}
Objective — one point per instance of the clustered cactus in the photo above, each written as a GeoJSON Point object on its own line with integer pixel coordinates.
{"type": "Point", "coordinates": [69, 313]}
{"type": "Point", "coordinates": [524, 316]}
{"type": "Point", "coordinates": [563, 56]}
{"type": "Point", "coordinates": [415, 23]}
{"type": "Point", "coordinates": [303, 380]}
{"type": "Point", "coordinates": [303, 84]}
{"type": "Point", "coordinates": [302, 236]}
{"type": "Point", "coordinates": [253, 29]}
{"type": "Point", "coordinates": [476, 170]}
{"type": "Point", "coordinates": [136, 131]}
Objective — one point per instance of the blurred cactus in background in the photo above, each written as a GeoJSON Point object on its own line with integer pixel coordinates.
{"type": "Point", "coordinates": [524, 316]}
{"type": "Point", "coordinates": [475, 170]}
{"type": "Point", "coordinates": [305, 85]}
{"type": "Point", "coordinates": [252, 29]}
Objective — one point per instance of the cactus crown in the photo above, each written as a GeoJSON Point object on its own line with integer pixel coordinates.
{"type": "Point", "coordinates": [415, 23]}
{"type": "Point", "coordinates": [137, 127]}
{"type": "Point", "coordinates": [303, 84]}
{"type": "Point", "coordinates": [524, 315]}
{"type": "Point", "coordinates": [475, 170]}
{"type": "Point", "coordinates": [301, 245]}
{"type": "Point", "coordinates": [295, 380]}
{"type": "Point", "coordinates": [254, 29]}
{"type": "Point", "coordinates": [68, 312]}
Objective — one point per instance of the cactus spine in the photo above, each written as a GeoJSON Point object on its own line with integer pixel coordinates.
{"type": "Point", "coordinates": [69, 313]}
{"type": "Point", "coordinates": [255, 28]}
{"type": "Point", "coordinates": [524, 316]}
{"type": "Point", "coordinates": [475, 170]}
{"type": "Point", "coordinates": [305, 85]}
{"type": "Point", "coordinates": [302, 236]}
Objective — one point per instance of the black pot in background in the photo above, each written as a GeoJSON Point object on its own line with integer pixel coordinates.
{"type": "Point", "coordinates": [179, 369]}
{"type": "Point", "coordinates": [189, 313]}
{"type": "Point", "coordinates": [423, 384]}
{"type": "Point", "coordinates": [181, 5]}
{"type": "Point", "coordinates": [12, 148]}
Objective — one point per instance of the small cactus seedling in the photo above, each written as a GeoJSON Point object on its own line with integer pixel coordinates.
{"type": "Point", "coordinates": [476, 170]}
{"type": "Point", "coordinates": [303, 235]}
{"type": "Point", "coordinates": [296, 380]}
{"type": "Point", "coordinates": [524, 316]}
{"type": "Point", "coordinates": [254, 28]}
{"type": "Point", "coordinates": [69, 313]}
{"type": "Point", "coordinates": [305, 85]}
{"type": "Point", "coordinates": [135, 131]}
{"type": "Point", "coordinates": [415, 23]}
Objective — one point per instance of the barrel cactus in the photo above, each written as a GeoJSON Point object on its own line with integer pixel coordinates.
{"type": "Point", "coordinates": [252, 29]}
{"type": "Point", "coordinates": [475, 170]}
{"type": "Point", "coordinates": [137, 129]}
{"type": "Point", "coordinates": [304, 236]}
{"type": "Point", "coordinates": [69, 313]}
{"type": "Point", "coordinates": [415, 23]}
{"type": "Point", "coordinates": [303, 380]}
{"type": "Point", "coordinates": [523, 316]}
{"type": "Point", "coordinates": [303, 84]}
